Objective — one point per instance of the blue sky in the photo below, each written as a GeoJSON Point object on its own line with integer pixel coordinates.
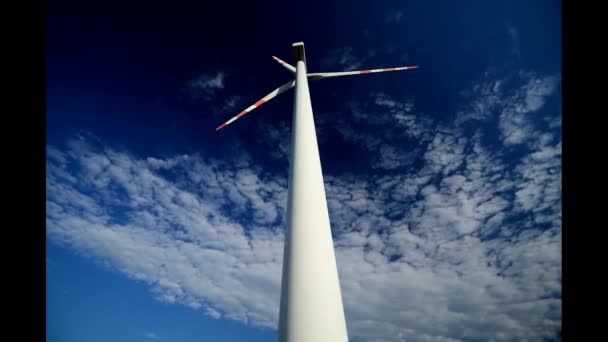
{"type": "Point", "coordinates": [443, 183]}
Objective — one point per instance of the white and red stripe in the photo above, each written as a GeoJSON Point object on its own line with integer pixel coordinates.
{"type": "Point", "coordinates": [265, 99]}
{"type": "Point", "coordinates": [285, 64]}
{"type": "Point", "coordinates": [320, 75]}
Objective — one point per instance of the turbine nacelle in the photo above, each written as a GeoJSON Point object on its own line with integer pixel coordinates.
{"type": "Point", "coordinates": [298, 52]}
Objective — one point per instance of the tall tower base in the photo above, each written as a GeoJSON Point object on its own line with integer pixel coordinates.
{"type": "Point", "coordinates": [311, 302]}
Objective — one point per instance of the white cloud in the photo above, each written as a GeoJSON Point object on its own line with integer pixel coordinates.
{"type": "Point", "coordinates": [514, 101]}
{"type": "Point", "coordinates": [468, 246]}
{"type": "Point", "coordinates": [486, 99]}
{"type": "Point", "coordinates": [181, 241]}
{"type": "Point", "coordinates": [213, 313]}
{"type": "Point", "coordinates": [383, 100]}
{"type": "Point", "coordinates": [276, 137]}
{"type": "Point", "coordinates": [231, 102]}
{"type": "Point", "coordinates": [445, 153]}
{"type": "Point", "coordinates": [394, 17]}
{"type": "Point", "coordinates": [151, 336]}
{"type": "Point", "coordinates": [514, 37]}
{"type": "Point", "coordinates": [396, 120]}
{"type": "Point", "coordinates": [391, 157]}
{"type": "Point", "coordinates": [515, 123]}
{"type": "Point", "coordinates": [206, 85]}
{"type": "Point", "coordinates": [342, 58]}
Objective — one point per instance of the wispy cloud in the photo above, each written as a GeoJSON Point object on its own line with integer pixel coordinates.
{"type": "Point", "coordinates": [397, 120]}
{"type": "Point", "coordinates": [231, 102]}
{"type": "Point", "coordinates": [483, 100]}
{"type": "Point", "coordinates": [151, 335]}
{"type": "Point", "coordinates": [515, 124]}
{"type": "Point", "coordinates": [514, 37]}
{"type": "Point", "coordinates": [206, 85]}
{"type": "Point", "coordinates": [276, 137]}
{"type": "Point", "coordinates": [212, 313]}
{"type": "Point", "coordinates": [210, 88]}
{"type": "Point", "coordinates": [465, 247]}
{"type": "Point", "coordinates": [514, 101]}
{"type": "Point", "coordinates": [188, 246]}
{"type": "Point", "coordinates": [342, 58]}
{"type": "Point", "coordinates": [394, 17]}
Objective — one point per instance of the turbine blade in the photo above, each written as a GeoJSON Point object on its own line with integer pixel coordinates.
{"type": "Point", "coordinates": [321, 75]}
{"type": "Point", "coordinates": [285, 64]}
{"type": "Point", "coordinates": [285, 87]}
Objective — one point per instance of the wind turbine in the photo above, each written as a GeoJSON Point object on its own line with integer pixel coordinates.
{"type": "Point", "coordinates": [311, 303]}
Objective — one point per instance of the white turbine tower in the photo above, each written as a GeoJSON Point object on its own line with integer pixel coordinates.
{"type": "Point", "coordinates": [311, 303]}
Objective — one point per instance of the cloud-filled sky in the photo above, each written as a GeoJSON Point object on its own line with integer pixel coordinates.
{"type": "Point", "coordinates": [443, 183]}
